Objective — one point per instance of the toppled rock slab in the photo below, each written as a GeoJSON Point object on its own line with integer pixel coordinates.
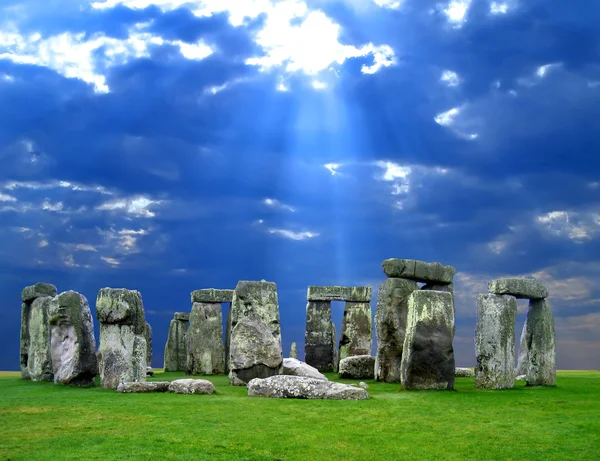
{"type": "Point", "coordinates": [143, 387]}
{"type": "Point", "coordinates": [295, 367]}
{"type": "Point", "coordinates": [300, 387]}
{"type": "Point", "coordinates": [191, 386]}
{"type": "Point", "coordinates": [519, 288]}
{"type": "Point", "coordinates": [212, 295]}
{"type": "Point", "coordinates": [464, 372]}
{"type": "Point", "coordinates": [357, 367]}
{"type": "Point", "coordinates": [338, 293]}
{"type": "Point", "coordinates": [39, 290]}
{"type": "Point", "coordinates": [419, 271]}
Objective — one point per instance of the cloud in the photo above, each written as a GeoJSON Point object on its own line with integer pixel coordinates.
{"type": "Point", "coordinates": [292, 235]}
{"type": "Point", "coordinates": [136, 206]}
{"type": "Point", "coordinates": [274, 203]}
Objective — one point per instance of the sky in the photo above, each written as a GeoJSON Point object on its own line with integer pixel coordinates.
{"type": "Point", "coordinates": [173, 145]}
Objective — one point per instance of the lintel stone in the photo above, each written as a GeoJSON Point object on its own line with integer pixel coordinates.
{"type": "Point", "coordinates": [419, 271]}
{"type": "Point", "coordinates": [183, 316]}
{"type": "Point", "coordinates": [338, 293]}
{"type": "Point", "coordinates": [212, 295]}
{"type": "Point", "coordinates": [39, 290]}
{"type": "Point", "coordinates": [519, 288]}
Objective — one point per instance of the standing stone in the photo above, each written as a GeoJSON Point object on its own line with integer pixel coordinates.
{"type": "Point", "coordinates": [540, 364]}
{"type": "Point", "coordinates": [227, 338]}
{"type": "Point", "coordinates": [356, 337]}
{"type": "Point", "coordinates": [176, 347]}
{"type": "Point", "coordinates": [523, 353]}
{"type": "Point", "coordinates": [428, 355]}
{"type": "Point", "coordinates": [293, 351]}
{"type": "Point", "coordinates": [390, 326]}
{"type": "Point", "coordinates": [148, 338]}
{"type": "Point", "coordinates": [122, 351]}
{"type": "Point", "coordinates": [320, 337]}
{"type": "Point", "coordinates": [39, 360]}
{"type": "Point", "coordinates": [255, 344]}
{"type": "Point", "coordinates": [72, 342]}
{"type": "Point", "coordinates": [205, 350]}
{"type": "Point", "coordinates": [28, 295]}
{"type": "Point", "coordinates": [495, 341]}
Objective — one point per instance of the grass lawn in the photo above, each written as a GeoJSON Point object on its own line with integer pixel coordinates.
{"type": "Point", "coordinates": [48, 421]}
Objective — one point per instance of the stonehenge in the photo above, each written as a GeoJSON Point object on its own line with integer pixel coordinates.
{"type": "Point", "coordinates": [301, 387]}
{"type": "Point", "coordinates": [205, 349]}
{"type": "Point", "coordinates": [148, 338]}
{"type": "Point", "coordinates": [357, 367]}
{"type": "Point", "coordinates": [320, 337]}
{"type": "Point", "coordinates": [176, 348]}
{"type": "Point", "coordinates": [295, 367]}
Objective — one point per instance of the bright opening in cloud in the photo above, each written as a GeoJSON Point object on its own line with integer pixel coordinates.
{"type": "Point", "coordinates": [456, 11]}
{"type": "Point", "coordinates": [498, 8]}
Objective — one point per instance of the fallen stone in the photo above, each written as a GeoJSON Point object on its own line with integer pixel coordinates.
{"type": "Point", "coordinates": [300, 387]}
{"type": "Point", "coordinates": [356, 336]}
{"type": "Point", "coordinates": [139, 387]}
{"type": "Point", "coordinates": [464, 372]}
{"type": "Point", "coordinates": [72, 342]}
{"type": "Point", "coordinates": [519, 288]}
{"type": "Point", "coordinates": [204, 339]}
{"type": "Point", "coordinates": [191, 386]}
{"type": "Point", "coordinates": [149, 371]}
{"type": "Point", "coordinates": [338, 293]}
{"type": "Point", "coordinates": [39, 290]}
{"type": "Point", "coordinates": [212, 295]}
{"type": "Point", "coordinates": [148, 338]}
{"type": "Point", "coordinates": [428, 355]}
{"type": "Point", "coordinates": [357, 367]}
{"type": "Point", "coordinates": [293, 351]}
{"type": "Point", "coordinates": [176, 354]}
{"type": "Point", "coordinates": [320, 348]}
{"type": "Point", "coordinates": [363, 385]}
{"type": "Point", "coordinates": [540, 364]}
{"type": "Point", "coordinates": [390, 326]}
{"type": "Point", "coordinates": [419, 271]}
{"type": "Point", "coordinates": [295, 367]}
{"type": "Point", "coordinates": [255, 336]}
{"type": "Point", "coordinates": [39, 360]}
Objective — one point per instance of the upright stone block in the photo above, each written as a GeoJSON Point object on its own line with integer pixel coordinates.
{"type": "Point", "coordinates": [540, 362]}
{"type": "Point", "coordinates": [428, 354]}
{"type": "Point", "coordinates": [176, 346]}
{"type": "Point", "coordinates": [293, 351]}
{"type": "Point", "coordinates": [122, 351]}
{"type": "Point", "coordinates": [390, 326]}
{"type": "Point", "coordinates": [320, 349]}
{"type": "Point", "coordinates": [206, 353]}
{"type": "Point", "coordinates": [148, 338]}
{"type": "Point", "coordinates": [356, 337]}
{"type": "Point", "coordinates": [495, 341]}
{"type": "Point", "coordinates": [255, 344]}
{"type": "Point", "coordinates": [227, 338]}
{"type": "Point", "coordinates": [39, 360]}
{"type": "Point", "coordinates": [72, 342]}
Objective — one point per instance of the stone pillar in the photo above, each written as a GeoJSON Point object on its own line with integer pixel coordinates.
{"type": "Point", "coordinates": [39, 363]}
{"type": "Point", "coordinates": [122, 351]}
{"type": "Point", "coordinates": [72, 342]}
{"type": "Point", "coordinates": [356, 335]}
{"type": "Point", "coordinates": [206, 354]}
{"type": "Point", "coordinates": [320, 336]}
{"type": "Point", "coordinates": [148, 338]}
{"type": "Point", "coordinates": [540, 362]}
{"type": "Point", "coordinates": [428, 354]}
{"type": "Point", "coordinates": [176, 347]}
{"type": "Point", "coordinates": [495, 341]}
{"type": "Point", "coordinates": [293, 351]}
{"type": "Point", "coordinates": [227, 337]}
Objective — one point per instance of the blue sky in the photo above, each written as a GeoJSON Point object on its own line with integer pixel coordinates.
{"type": "Point", "coordinates": [171, 145]}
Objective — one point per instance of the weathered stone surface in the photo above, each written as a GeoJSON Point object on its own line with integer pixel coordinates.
{"type": "Point", "coordinates": [428, 355]}
{"type": "Point", "coordinates": [432, 286]}
{"type": "Point", "coordinates": [293, 351]}
{"type": "Point", "coordinates": [519, 288]}
{"type": "Point", "coordinates": [122, 351]}
{"type": "Point", "coordinates": [495, 341]}
{"type": "Point", "coordinates": [205, 350]}
{"type": "Point", "coordinates": [357, 367]}
{"type": "Point", "coordinates": [72, 342]}
{"type": "Point", "coordinates": [338, 293]}
{"type": "Point", "coordinates": [255, 342]}
{"type": "Point", "coordinates": [464, 372]}
{"type": "Point", "coordinates": [39, 290]}
{"type": "Point", "coordinates": [148, 338]}
{"type": "Point", "coordinates": [301, 387]}
{"type": "Point", "coordinates": [183, 316]}
{"type": "Point", "coordinates": [295, 367]}
{"type": "Point", "coordinates": [419, 271]}
{"type": "Point", "coordinates": [356, 337]}
{"type": "Point", "coordinates": [540, 362]}
{"type": "Point", "coordinates": [390, 326]}
{"type": "Point", "coordinates": [320, 349]}
{"type": "Point", "coordinates": [176, 354]}
{"type": "Point", "coordinates": [212, 295]}
{"type": "Point", "coordinates": [363, 385]}
{"type": "Point", "coordinates": [39, 360]}
{"type": "Point", "coordinates": [139, 387]}
{"type": "Point", "coordinates": [191, 386]}
{"type": "Point", "coordinates": [227, 338]}
{"type": "Point", "coordinates": [523, 352]}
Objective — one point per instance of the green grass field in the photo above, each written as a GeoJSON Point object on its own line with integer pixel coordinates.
{"type": "Point", "coordinates": [48, 421]}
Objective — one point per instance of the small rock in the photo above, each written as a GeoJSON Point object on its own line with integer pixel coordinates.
{"type": "Point", "coordinates": [301, 387]}
{"type": "Point", "coordinates": [191, 386]}
{"type": "Point", "coordinates": [464, 372]}
{"type": "Point", "coordinates": [363, 385]}
{"type": "Point", "coordinates": [295, 367]}
{"type": "Point", "coordinates": [357, 367]}
{"type": "Point", "coordinates": [139, 387]}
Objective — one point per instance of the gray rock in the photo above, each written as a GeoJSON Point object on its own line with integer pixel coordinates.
{"type": "Point", "coordinates": [300, 387]}
{"type": "Point", "coordinates": [495, 341]}
{"type": "Point", "coordinates": [357, 367]}
{"type": "Point", "coordinates": [148, 338]}
{"type": "Point", "coordinates": [320, 349]}
{"type": "Point", "coordinates": [419, 271]}
{"type": "Point", "coordinates": [540, 363]}
{"type": "Point", "coordinates": [183, 316]}
{"type": "Point", "coordinates": [428, 355]}
{"type": "Point", "coordinates": [519, 288]}
{"type": "Point", "coordinates": [433, 286]}
{"type": "Point", "coordinates": [149, 371]}
{"type": "Point", "coordinates": [390, 326]}
{"type": "Point", "coordinates": [191, 386]}
{"type": "Point", "coordinates": [122, 351]}
{"type": "Point", "coordinates": [176, 347]}
{"type": "Point", "coordinates": [523, 352]}
{"type": "Point", "coordinates": [39, 290]}
{"type": "Point", "coordinates": [205, 350]}
{"type": "Point", "coordinates": [143, 387]}
{"type": "Point", "coordinates": [363, 385]}
{"type": "Point", "coordinates": [227, 338]}
{"type": "Point", "coordinates": [464, 372]}
{"type": "Point", "coordinates": [293, 351]}
{"type": "Point", "coordinates": [337, 293]}
{"type": "Point", "coordinates": [212, 295]}
{"type": "Point", "coordinates": [356, 337]}
{"type": "Point", "coordinates": [72, 342]}
{"type": "Point", "coordinates": [39, 360]}
{"type": "Point", "coordinates": [295, 367]}
{"type": "Point", "coordinates": [255, 342]}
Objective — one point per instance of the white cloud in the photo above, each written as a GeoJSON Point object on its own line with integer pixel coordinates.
{"type": "Point", "coordinates": [542, 71]}
{"type": "Point", "coordinates": [576, 226]}
{"type": "Point", "coordinates": [43, 243]}
{"type": "Point", "coordinates": [393, 170]}
{"type": "Point", "coordinates": [112, 261]}
{"type": "Point", "coordinates": [392, 4]}
{"type": "Point", "coordinates": [7, 198]}
{"type": "Point", "coordinates": [32, 185]}
{"type": "Point", "coordinates": [456, 11]}
{"type": "Point", "coordinates": [498, 8]}
{"type": "Point", "coordinates": [274, 203]}
{"type": "Point", "coordinates": [85, 247]}
{"type": "Point", "coordinates": [49, 206]}
{"type": "Point", "coordinates": [447, 118]}
{"type": "Point", "coordinates": [333, 168]}
{"type": "Point", "coordinates": [450, 78]}
{"type": "Point", "coordinates": [138, 206]}
{"type": "Point", "coordinates": [293, 235]}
